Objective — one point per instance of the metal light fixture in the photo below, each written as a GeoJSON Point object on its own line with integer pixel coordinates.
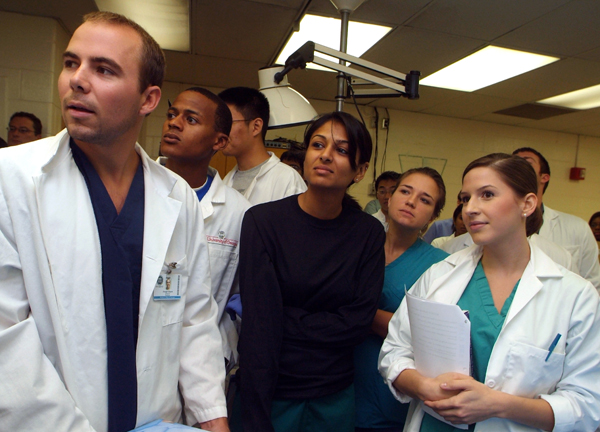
{"type": "Point", "coordinates": [287, 106]}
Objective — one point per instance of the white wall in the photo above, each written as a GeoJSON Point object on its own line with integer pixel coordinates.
{"type": "Point", "coordinates": [30, 62]}
{"type": "Point", "coordinates": [462, 141]}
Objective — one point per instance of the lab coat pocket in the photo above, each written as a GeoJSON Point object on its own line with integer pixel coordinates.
{"type": "Point", "coordinates": [172, 310]}
{"type": "Point", "coordinates": [223, 263]}
{"type": "Point", "coordinates": [530, 372]}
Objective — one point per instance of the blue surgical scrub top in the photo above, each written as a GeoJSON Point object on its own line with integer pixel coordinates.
{"type": "Point", "coordinates": [486, 324]}
{"type": "Point", "coordinates": [375, 405]}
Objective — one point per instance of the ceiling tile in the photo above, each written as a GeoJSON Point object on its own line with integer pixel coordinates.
{"type": "Point", "coordinates": [482, 19]}
{"type": "Point", "coordinates": [566, 31]}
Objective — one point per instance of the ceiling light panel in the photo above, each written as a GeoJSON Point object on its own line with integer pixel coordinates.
{"type": "Point", "coordinates": [579, 99]}
{"type": "Point", "coordinates": [326, 31]}
{"type": "Point", "coordinates": [167, 21]}
{"type": "Point", "coordinates": [487, 66]}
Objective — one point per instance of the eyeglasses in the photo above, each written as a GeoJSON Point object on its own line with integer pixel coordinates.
{"type": "Point", "coordinates": [22, 130]}
{"type": "Point", "coordinates": [384, 192]}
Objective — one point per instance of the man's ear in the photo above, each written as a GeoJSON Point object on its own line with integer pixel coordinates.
{"type": "Point", "coordinates": [150, 100]}
{"type": "Point", "coordinates": [544, 178]}
{"type": "Point", "coordinates": [257, 126]}
{"type": "Point", "coordinates": [221, 142]}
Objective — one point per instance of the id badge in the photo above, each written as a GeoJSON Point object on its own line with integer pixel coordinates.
{"type": "Point", "coordinates": [168, 286]}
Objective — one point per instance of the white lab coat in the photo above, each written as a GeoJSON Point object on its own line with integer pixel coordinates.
{"type": "Point", "coordinates": [441, 241]}
{"type": "Point", "coordinates": [549, 300]}
{"type": "Point", "coordinates": [52, 323]}
{"type": "Point", "coordinates": [558, 253]}
{"type": "Point", "coordinates": [381, 218]}
{"type": "Point", "coordinates": [274, 181]}
{"type": "Point", "coordinates": [575, 235]}
{"type": "Point", "coordinates": [223, 209]}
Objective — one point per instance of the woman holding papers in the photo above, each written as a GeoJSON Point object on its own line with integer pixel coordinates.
{"type": "Point", "coordinates": [311, 272]}
{"type": "Point", "coordinates": [418, 199]}
{"type": "Point", "coordinates": [535, 326]}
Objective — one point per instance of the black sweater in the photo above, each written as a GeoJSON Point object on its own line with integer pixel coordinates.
{"type": "Point", "coordinates": [309, 290]}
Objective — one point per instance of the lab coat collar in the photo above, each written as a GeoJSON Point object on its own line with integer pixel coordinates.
{"type": "Point", "coordinates": [215, 195]}
{"type": "Point", "coordinates": [463, 263]}
{"type": "Point", "coordinates": [539, 268]}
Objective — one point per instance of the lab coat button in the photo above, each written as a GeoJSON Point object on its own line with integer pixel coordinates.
{"type": "Point", "coordinates": [491, 383]}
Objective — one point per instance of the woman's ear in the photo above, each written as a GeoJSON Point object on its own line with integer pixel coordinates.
{"type": "Point", "coordinates": [361, 171]}
{"type": "Point", "coordinates": [530, 203]}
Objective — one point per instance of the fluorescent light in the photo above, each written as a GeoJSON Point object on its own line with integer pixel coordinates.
{"type": "Point", "coordinates": [486, 67]}
{"type": "Point", "coordinates": [167, 21]}
{"type": "Point", "coordinates": [326, 31]}
{"type": "Point", "coordinates": [579, 99]}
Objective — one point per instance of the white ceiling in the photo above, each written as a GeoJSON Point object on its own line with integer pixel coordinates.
{"type": "Point", "coordinates": [232, 39]}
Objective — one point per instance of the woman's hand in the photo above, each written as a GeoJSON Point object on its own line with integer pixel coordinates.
{"type": "Point", "coordinates": [435, 389]}
{"type": "Point", "coordinates": [413, 384]}
{"type": "Point", "coordinates": [473, 401]}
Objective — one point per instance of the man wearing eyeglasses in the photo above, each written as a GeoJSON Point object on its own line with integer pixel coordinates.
{"type": "Point", "coordinates": [384, 187]}
{"type": "Point", "coordinates": [259, 175]}
{"type": "Point", "coordinates": [23, 127]}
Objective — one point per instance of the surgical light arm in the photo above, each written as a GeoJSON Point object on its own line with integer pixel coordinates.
{"type": "Point", "coordinates": [406, 85]}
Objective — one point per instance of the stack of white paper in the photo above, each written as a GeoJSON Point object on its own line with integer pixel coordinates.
{"type": "Point", "coordinates": [441, 340]}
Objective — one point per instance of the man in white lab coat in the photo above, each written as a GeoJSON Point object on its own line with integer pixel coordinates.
{"type": "Point", "coordinates": [566, 230]}
{"type": "Point", "coordinates": [259, 175]}
{"type": "Point", "coordinates": [106, 316]}
{"type": "Point", "coordinates": [197, 126]}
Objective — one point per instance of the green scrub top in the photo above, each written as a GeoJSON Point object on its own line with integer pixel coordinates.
{"type": "Point", "coordinates": [486, 324]}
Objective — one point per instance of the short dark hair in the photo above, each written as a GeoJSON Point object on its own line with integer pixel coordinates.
{"type": "Point", "coordinates": [37, 123]}
{"type": "Point", "coordinates": [152, 61]}
{"type": "Point", "coordinates": [250, 103]}
{"type": "Point", "coordinates": [293, 155]}
{"type": "Point", "coordinates": [544, 166]}
{"type": "Point", "coordinates": [457, 212]}
{"type": "Point", "coordinates": [223, 117]}
{"type": "Point", "coordinates": [359, 139]}
{"type": "Point", "coordinates": [439, 181]}
{"type": "Point", "coordinates": [594, 216]}
{"type": "Point", "coordinates": [519, 175]}
{"type": "Point", "coordinates": [387, 175]}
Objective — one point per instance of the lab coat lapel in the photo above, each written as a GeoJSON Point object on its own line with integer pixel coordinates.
{"type": "Point", "coordinates": [539, 266]}
{"type": "Point", "coordinates": [550, 219]}
{"type": "Point", "coordinates": [443, 289]}
{"type": "Point", "coordinates": [72, 253]}
{"type": "Point", "coordinates": [160, 218]}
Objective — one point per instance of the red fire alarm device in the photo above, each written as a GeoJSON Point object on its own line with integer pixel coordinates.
{"type": "Point", "coordinates": [577, 173]}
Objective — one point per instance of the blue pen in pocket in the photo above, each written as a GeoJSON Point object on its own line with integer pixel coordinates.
{"type": "Point", "coordinates": [553, 345]}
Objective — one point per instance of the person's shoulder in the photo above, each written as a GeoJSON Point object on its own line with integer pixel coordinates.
{"type": "Point", "coordinates": [369, 223]}
{"type": "Point", "coordinates": [18, 164]}
{"type": "Point", "coordinates": [277, 209]}
{"type": "Point", "coordinates": [234, 199]}
{"type": "Point", "coordinates": [435, 253]}
{"type": "Point", "coordinates": [567, 218]}
{"type": "Point", "coordinates": [285, 171]}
